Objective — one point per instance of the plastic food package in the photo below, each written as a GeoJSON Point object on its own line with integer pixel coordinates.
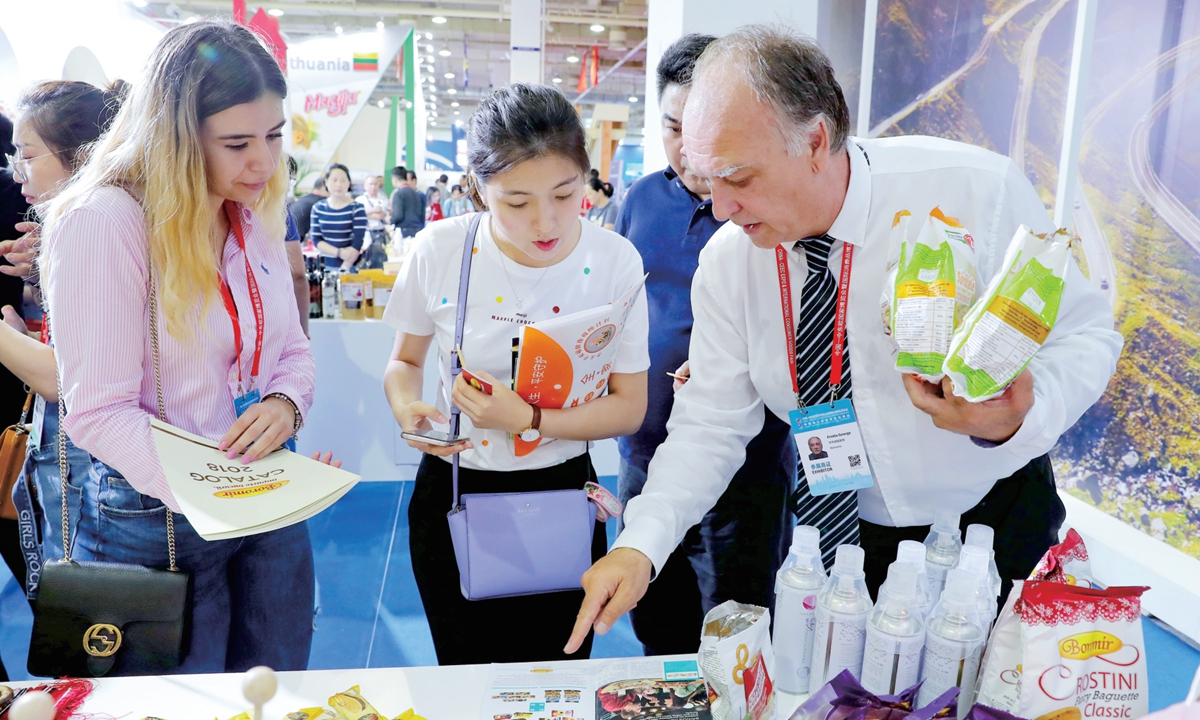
{"type": "Point", "coordinates": [737, 662]}
{"type": "Point", "coordinates": [844, 698]}
{"type": "Point", "coordinates": [1066, 563]}
{"type": "Point", "coordinates": [351, 705]}
{"type": "Point", "coordinates": [1000, 676]}
{"type": "Point", "coordinates": [933, 286]}
{"type": "Point", "coordinates": [1012, 319]}
{"type": "Point", "coordinates": [1084, 654]}
{"type": "Point", "coordinates": [896, 237]}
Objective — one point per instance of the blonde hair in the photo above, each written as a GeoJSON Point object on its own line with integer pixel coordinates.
{"type": "Point", "coordinates": [153, 151]}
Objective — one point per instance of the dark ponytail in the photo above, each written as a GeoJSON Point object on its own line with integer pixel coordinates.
{"type": "Point", "coordinates": [600, 186]}
{"type": "Point", "coordinates": [69, 116]}
{"type": "Point", "coordinates": [521, 122]}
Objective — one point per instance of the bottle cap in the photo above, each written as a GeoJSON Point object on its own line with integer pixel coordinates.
{"type": "Point", "coordinates": [960, 587]}
{"type": "Point", "coordinates": [806, 542]}
{"type": "Point", "coordinates": [902, 581]}
{"type": "Point", "coordinates": [849, 561]}
{"type": "Point", "coordinates": [911, 552]}
{"type": "Point", "coordinates": [947, 522]}
{"type": "Point", "coordinates": [974, 559]}
{"type": "Point", "coordinates": [980, 536]}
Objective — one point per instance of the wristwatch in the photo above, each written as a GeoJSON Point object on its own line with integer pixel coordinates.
{"type": "Point", "coordinates": [532, 434]}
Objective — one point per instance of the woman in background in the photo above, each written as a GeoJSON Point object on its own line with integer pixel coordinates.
{"type": "Point", "coordinates": [433, 205]}
{"type": "Point", "coordinates": [603, 211]}
{"type": "Point", "coordinates": [338, 222]}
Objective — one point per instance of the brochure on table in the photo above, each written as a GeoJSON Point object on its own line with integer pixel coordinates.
{"type": "Point", "coordinates": [608, 690]}
{"type": "Point", "coordinates": [224, 499]}
{"type": "Point", "coordinates": [566, 361]}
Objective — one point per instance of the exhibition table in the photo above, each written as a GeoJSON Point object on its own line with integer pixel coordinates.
{"type": "Point", "coordinates": [436, 693]}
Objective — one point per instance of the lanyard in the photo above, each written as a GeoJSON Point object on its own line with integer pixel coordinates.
{"type": "Point", "coordinates": [235, 221]}
{"type": "Point", "coordinates": [839, 325]}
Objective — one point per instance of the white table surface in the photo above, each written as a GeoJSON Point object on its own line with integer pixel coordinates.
{"type": "Point", "coordinates": [436, 693]}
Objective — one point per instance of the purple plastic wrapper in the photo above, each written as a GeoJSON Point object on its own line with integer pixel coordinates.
{"type": "Point", "coordinates": [983, 712]}
{"type": "Point", "coordinates": [843, 698]}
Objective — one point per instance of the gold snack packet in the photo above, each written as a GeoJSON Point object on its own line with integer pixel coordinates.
{"type": "Point", "coordinates": [351, 705]}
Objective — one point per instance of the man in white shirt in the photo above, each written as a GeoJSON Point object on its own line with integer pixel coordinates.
{"type": "Point", "coordinates": [767, 125]}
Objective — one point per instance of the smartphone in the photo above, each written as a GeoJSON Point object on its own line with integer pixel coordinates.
{"type": "Point", "coordinates": [433, 437]}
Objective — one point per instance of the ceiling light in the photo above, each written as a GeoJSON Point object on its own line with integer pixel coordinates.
{"type": "Point", "coordinates": [632, 98]}
{"type": "Point", "coordinates": [273, 12]}
{"type": "Point", "coordinates": [379, 24]}
{"type": "Point", "coordinates": [429, 68]}
{"type": "Point", "coordinates": [456, 112]}
{"type": "Point", "coordinates": [428, 36]}
{"type": "Point", "coordinates": [191, 20]}
{"type": "Point", "coordinates": [338, 29]}
{"type": "Point", "coordinates": [557, 80]}
{"type": "Point", "coordinates": [451, 91]}
{"type": "Point", "coordinates": [140, 3]}
{"type": "Point", "coordinates": [382, 103]}
{"type": "Point", "coordinates": [408, 104]}
{"type": "Point", "coordinates": [572, 58]}
{"type": "Point", "coordinates": [429, 48]}
{"type": "Point", "coordinates": [429, 58]}
{"type": "Point", "coordinates": [454, 104]}
{"type": "Point", "coordinates": [595, 28]}
{"type": "Point", "coordinates": [439, 20]}
{"type": "Point", "coordinates": [449, 76]}
{"type": "Point", "coordinates": [444, 52]}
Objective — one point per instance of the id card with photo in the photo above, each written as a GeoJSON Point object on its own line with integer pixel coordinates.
{"type": "Point", "coordinates": [831, 448]}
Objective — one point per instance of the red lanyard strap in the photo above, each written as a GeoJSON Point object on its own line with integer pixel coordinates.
{"type": "Point", "coordinates": [235, 221]}
{"type": "Point", "coordinates": [839, 325]}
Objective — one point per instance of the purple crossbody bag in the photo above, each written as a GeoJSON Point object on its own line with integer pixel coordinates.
{"type": "Point", "coordinates": [514, 543]}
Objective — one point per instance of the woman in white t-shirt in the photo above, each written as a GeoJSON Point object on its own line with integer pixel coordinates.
{"type": "Point", "coordinates": [534, 260]}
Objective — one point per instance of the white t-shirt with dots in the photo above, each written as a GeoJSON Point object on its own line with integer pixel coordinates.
{"type": "Point", "coordinates": [503, 296]}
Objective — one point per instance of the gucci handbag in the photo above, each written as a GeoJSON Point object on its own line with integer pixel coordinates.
{"type": "Point", "coordinates": [508, 544]}
{"type": "Point", "coordinates": [93, 619]}
{"type": "Point", "coordinates": [12, 459]}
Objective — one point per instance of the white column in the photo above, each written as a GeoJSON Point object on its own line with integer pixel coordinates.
{"type": "Point", "coordinates": [525, 64]}
{"type": "Point", "coordinates": [669, 20]}
{"type": "Point", "coordinates": [867, 73]}
{"type": "Point", "coordinates": [1068, 163]}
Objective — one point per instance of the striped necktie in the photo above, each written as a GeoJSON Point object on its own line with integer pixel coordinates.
{"type": "Point", "coordinates": [836, 514]}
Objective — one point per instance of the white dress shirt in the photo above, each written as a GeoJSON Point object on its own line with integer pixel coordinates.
{"type": "Point", "coordinates": [739, 361]}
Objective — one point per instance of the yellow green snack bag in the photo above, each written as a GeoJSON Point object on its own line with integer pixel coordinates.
{"type": "Point", "coordinates": [933, 287]}
{"type": "Point", "coordinates": [1010, 322]}
{"type": "Point", "coordinates": [351, 705]}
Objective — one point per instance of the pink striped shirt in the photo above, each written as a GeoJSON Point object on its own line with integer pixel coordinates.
{"type": "Point", "coordinates": [94, 272]}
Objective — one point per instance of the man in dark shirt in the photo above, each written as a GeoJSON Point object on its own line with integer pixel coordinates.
{"type": "Point", "coordinates": [408, 207]}
{"type": "Point", "coordinates": [736, 550]}
{"type": "Point", "coordinates": [302, 208]}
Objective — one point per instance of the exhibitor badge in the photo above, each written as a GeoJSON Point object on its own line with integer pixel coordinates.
{"type": "Point", "coordinates": [831, 448]}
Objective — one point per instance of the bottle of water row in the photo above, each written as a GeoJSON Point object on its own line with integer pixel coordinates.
{"type": "Point", "coordinates": [796, 587]}
{"type": "Point", "coordinates": [953, 642]}
{"type": "Point", "coordinates": [895, 634]}
{"type": "Point", "coordinates": [941, 550]}
{"type": "Point", "coordinates": [842, 609]}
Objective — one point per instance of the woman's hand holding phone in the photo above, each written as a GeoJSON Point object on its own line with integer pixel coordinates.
{"type": "Point", "coordinates": [416, 417]}
{"type": "Point", "coordinates": [503, 409]}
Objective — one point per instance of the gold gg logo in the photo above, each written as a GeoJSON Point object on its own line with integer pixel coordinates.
{"type": "Point", "coordinates": [102, 640]}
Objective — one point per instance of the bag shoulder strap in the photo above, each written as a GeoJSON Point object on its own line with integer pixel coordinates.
{"type": "Point", "coordinates": [460, 321]}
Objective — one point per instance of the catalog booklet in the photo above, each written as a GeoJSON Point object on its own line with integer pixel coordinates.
{"type": "Point", "coordinates": [605, 690]}
{"type": "Point", "coordinates": [224, 499]}
{"type": "Point", "coordinates": [566, 361]}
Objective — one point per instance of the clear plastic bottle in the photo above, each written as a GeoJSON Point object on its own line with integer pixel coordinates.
{"type": "Point", "coordinates": [941, 550]}
{"type": "Point", "coordinates": [842, 609]}
{"type": "Point", "coordinates": [974, 560]}
{"type": "Point", "coordinates": [331, 306]}
{"type": "Point", "coordinates": [913, 553]}
{"type": "Point", "coordinates": [953, 643]}
{"type": "Point", "coordinates": [796, 586]}
{"type": "Point", "coordinates": [895, 634]}
{"type": "Point", "coordinates": [984, 537]}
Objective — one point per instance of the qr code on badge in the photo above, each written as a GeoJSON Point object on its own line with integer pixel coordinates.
{"type": "Point", "coordinates": [855, 461]}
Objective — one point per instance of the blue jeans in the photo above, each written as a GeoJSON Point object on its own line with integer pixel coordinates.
{"type": "Point", "coordinates": [41, 467]}
{"type": "Point", "coordinates": [252, 598]}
